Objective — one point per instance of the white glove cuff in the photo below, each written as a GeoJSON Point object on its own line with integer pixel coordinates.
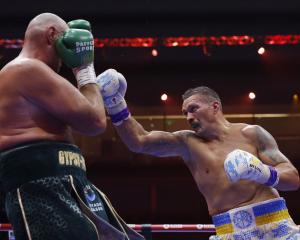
{"type": "Point", "coordinates": [85, 75]}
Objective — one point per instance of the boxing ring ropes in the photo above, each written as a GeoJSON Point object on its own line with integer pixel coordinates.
{"type": "Point", "coordinates": [145, 229]}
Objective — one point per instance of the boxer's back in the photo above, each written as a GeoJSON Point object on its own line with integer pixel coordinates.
{"type": "Point", "coordinates": [22, 120]}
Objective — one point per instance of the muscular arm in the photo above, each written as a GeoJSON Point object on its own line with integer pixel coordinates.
{"type": "Point", "coordinates": [269, 153]}
{"type": "Point", "coordinates": [82, 110]}
{"type": "Point", "coordinates": [157, 143]}
{"type": "Point", "coordinates": [91, 93]}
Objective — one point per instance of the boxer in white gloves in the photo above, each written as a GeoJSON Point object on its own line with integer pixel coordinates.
{"type": "Point", "coordinates": [113, 86]}
{"type": "Point", "coordinates": [240, 164]}
{"type": "Point", "coordinates": [237, 167]}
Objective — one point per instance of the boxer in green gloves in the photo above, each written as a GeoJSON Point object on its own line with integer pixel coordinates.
{"type": "Point", "coordinates": [41, 171]}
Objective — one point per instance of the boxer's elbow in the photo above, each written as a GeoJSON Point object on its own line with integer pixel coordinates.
{"type": "Point", "coordinates": [135, 139]}
{"type": "Point", "coordinates": [289, 181]}
{"type": "Point", "coordinates": [297, 182]}
{"type": "Point", "coordinates": [94, 126]}
{"type": "Point", "coordinates": [100, 125]}
{"type": "Point", "coordinates": [135, 144]}
{"type": "Point", "coordinates": [295, 185]}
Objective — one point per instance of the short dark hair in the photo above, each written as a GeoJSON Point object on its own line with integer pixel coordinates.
{"type": "Point", "coordinates": [207, 92]}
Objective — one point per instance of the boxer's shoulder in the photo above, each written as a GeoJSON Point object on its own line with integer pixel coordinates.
{"type": "Point", "coordinates": [251, 131]}
{"type": "Point", "coordinates": [20, 66]}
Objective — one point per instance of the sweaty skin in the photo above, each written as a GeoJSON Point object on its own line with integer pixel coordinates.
{"type": "Point", "coordinates": [38, 104]}
{"type": "Point", "coordinates": [205, 148]}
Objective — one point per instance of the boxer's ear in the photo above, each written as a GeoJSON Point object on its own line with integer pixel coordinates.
{"type": "Point", "coordinates": [216, 106]}
{"type": "Point", "coordinates": [51, 35]}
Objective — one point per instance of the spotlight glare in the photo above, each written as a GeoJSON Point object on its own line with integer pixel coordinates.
{"type": "Point", "coordinates": [164, 97]}
{"type": "Point", "coordinates": [175, 44]}
{"type": "Point", "coordinates": [295, 98]}
{"type": "Point", "coordinates": [252, 95]}
{"type": "Point", "coordinates": [154, 52]}
{"type": "Point", "coordinates": [261, 51]}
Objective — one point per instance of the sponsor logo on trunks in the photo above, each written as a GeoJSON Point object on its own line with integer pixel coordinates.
{"type": "Point", "coordinates": [89, 193]}
{"type": "Point", "coordinates": [68, 158]}
{"type": "Point", "coordinates": [96, 207]}
{"type": "Point", "coordinates": [242, 219]}
{"type": "Point", "coordinates": [91, 197]}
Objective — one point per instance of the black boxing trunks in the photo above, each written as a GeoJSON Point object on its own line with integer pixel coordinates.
{"type": "Point", "coordinates": [48, 196]}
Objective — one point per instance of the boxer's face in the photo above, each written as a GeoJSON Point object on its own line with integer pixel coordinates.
{"type": "Point", "coordinates": [199, 113]}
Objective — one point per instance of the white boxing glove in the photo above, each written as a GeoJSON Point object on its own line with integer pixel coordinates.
{"type": "Point", "coordinates": [240, 164]}
{"type": "Point", "coordinates": [113, 87]}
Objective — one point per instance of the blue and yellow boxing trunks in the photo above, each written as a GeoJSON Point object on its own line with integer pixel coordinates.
{"type": "Point", "coordinates": [265, 220]}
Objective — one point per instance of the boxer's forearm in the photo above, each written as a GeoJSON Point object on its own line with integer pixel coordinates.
{"type": "Point", "coordinates": [91, 93]}
{"type": "Point", "coordinates": [156, 143]}
{"type": "Point", "coordinates": [289, 177]}
{"type": "Point", "coordinates": [132, 133]}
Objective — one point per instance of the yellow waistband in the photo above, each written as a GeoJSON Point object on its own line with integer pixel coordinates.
{"type": "Point", "coordinates": [261, 220]}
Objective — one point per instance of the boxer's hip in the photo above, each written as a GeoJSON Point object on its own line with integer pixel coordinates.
{"type": "Point", "coordinates": [265, 220]}
{"type": "Point", "coordinates": [36, 160]}
{"type": "Point", "coordinates": [47, 188]}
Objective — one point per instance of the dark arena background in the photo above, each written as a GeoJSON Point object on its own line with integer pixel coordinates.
{"type": "Point", "coordinates": [165, 47]}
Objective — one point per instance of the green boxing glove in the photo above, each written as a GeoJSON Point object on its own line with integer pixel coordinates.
{"type": "Point", "coordinates": [80, 24]}
{"type": "Point", "coordinates": [76, 49]}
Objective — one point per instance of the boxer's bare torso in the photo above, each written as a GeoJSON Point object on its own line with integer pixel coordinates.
{"type": "Point", "coordinates": [21, 118]}
{"type": "Point", "coordinates": [205, 159]}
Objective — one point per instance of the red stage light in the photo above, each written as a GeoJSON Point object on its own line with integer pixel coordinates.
{"type": "Point", "coordinates": [181, 41]}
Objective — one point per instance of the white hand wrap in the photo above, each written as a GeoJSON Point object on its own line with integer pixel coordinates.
{"type": "Point", "coordinates": [85, 75]}
{"type": "Point", "coordinates": [240, 164]}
